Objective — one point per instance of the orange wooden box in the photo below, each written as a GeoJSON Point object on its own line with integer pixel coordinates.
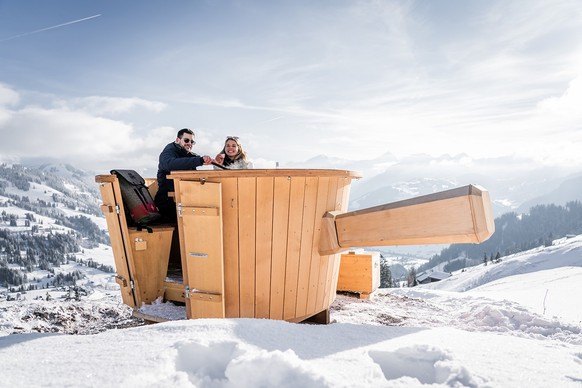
{"type": "Point", "coordinates": [359, 272]}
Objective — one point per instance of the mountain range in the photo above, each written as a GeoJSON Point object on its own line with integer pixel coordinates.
{"type": "Point", "coordinates": [514, 184]}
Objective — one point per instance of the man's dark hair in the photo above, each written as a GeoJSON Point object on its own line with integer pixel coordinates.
{"type": "Point", "coordinates": [182, 131]}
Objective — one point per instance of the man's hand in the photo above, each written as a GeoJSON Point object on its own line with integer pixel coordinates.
{"type": "Point", "coordinates": [219, 158]}
{"type": "Point", "coordinates": [207, 159]}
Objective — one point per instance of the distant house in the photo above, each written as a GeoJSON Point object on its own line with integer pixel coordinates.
{"type": "Point", "coordinates": [431, 277]}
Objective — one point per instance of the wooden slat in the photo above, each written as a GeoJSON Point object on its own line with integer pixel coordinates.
{"type": "Point", "coordinates": [126, 240]}
{"type": "Point", "coordinates": [231, 264]}
{"type": "Point", "coordinates": [183, 258]}
{"type": "Point", "coordinates": [343, 193]}
{"type": "Point", "coordinates": [307, 228]}
{"type": "Point", "coordinates": [297, 193]}
{"type": "Point", "coordinates": [264, 233]}
{"type": "Point", "coordinates": [324, 269]}
{"type": "Point", "coordinates": [174, 291]}
{"type": "Point", "coordinates": [203, 248]}
{"type": "Point", "coordinates": [246, 222]}
{"type": "Point", "coordinates": [117, 242]}
{"type": "Point", "coordinates": [279, 256]}
{"type": "Point", "coordinates": [110, 178]}
{"type": "Point", "coordinates": [256, 173]}
{"type": "Point", "coordinates": [320, 209]}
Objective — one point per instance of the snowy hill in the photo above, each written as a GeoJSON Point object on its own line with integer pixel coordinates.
{"type": "Point", "coordinates": [50, 190]}
{"type": "Point", "coordinates": [52, 232]}
{"type": "Point", "coordinates": [517, 323]}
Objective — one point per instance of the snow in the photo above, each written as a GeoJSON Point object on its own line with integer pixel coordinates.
{"type": "Point", "coordinates": [517, 323]}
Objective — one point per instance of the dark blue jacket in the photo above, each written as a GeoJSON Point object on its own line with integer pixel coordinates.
{"type": "Point", "coordinates": [173, 158]}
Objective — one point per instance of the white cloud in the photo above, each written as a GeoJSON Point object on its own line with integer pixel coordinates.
{"type": "Point", "coordinates": [80, 137]}
{"type": "Point", "coordinates": [99, 105]}
{"type": "Point", "coordinates": [8, 96]}
{"type": "Point", "coordinates": [566, 106]}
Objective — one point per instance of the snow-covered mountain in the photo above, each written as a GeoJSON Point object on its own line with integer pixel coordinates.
{"type": "Point", "coordinates": [514, 184]}
{"type": "Point", "coordinates": [52, 233]}
{"type": "Point", "coordinates": [63, 188]}
{"type": "Point", "coordinates": [517, 323]}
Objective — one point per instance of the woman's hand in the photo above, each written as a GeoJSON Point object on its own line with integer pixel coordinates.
{"type": "Point", "coordinates": [219, 158]}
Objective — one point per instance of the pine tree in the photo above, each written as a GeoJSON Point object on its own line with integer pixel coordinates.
{"type": "Point", "coordinates": [411, 277]}
{"type": "Point", "coordinates": [385, 275]}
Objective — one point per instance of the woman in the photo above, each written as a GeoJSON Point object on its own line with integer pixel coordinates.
{"type": "Point", "coordinates": [232, 155]}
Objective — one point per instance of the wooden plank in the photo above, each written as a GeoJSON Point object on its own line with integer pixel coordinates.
{"type": "Point", "coordinates": [455, 216]}
{"type": "Point", "coordinates": [247, 265]}
{"type": "Point", "coordinates": [152, 185]}
{"type": "Point", "coordinates": [320, 209]}
{"type": "Point", "coordinates": [279, 255]}
{"type": "Point", "coordinates": [202, 242]}
{"type": "Point", "coordinates": [325, 272]}
{"type": "Point", "coordinates": [231, 238]}
{"type": "Point", "coordinates": [183, 257]}
{"type": "Point", "coordinates": [321, 318]}
{"type": "Point", "coordinates": [264, 233]}
{"type": "Point", "coordinates": [109, 178]}
{"type": "Point", "coordinates": [126, 240]}
{"type": "Point", "coordinates": [297, 194]}
{"type": "Point", "coordinates": [342, 199]}
{"type": "Point", "coordinates": [257, 172]}
{"type": "Point", "coordinates": [117, 243]}
{"type": "Point", "coordinates": [174, 291]}
{"type": "Point", "coordinates": [151, 253]}
{"type": "Point", "coordinates": [307, 228]}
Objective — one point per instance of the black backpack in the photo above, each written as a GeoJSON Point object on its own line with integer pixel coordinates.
{"type": "Point", "coordinates": [136, 197]}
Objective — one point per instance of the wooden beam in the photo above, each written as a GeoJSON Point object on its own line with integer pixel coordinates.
{"type": "Point", "coordinates": [461, 215]}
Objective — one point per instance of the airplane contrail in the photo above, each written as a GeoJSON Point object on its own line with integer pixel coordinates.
{"type": "Point", "coordinates": [273, 119]}
{"type": "Point", "coordinates": [49, 28]}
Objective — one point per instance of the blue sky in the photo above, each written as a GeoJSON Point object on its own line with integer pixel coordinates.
{"type": "Point", "coordinates": [106, 84]}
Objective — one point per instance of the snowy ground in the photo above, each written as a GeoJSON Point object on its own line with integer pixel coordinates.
{"type": "Point", "coordinates": [517, 323]}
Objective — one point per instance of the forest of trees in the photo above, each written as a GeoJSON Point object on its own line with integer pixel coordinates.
{"type": "Point", "coordinates": [514, 233]}
{"type": "Point", "coordinates": [37, 246]}
{"type": "Point", "coordinates": [28, 251]}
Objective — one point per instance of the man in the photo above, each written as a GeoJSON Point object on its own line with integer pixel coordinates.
{"type": "Point", "coordinates": [176, 156]}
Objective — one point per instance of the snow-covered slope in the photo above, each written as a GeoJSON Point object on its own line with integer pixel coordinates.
{"type": "Point", "coordinates": [480, 328]}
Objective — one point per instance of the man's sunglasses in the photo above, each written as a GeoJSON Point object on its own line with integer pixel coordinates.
{"type": "Point", "coordinates": [186, 140]}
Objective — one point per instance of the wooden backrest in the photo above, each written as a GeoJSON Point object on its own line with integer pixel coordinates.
{"type": "Point", "coordinates": [152, 185]}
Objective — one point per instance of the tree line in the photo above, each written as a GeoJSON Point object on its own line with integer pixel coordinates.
{"type": "Point", "coordinates": [21, 253]}
{"type": "Point", "coordinates": [514, 233]}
